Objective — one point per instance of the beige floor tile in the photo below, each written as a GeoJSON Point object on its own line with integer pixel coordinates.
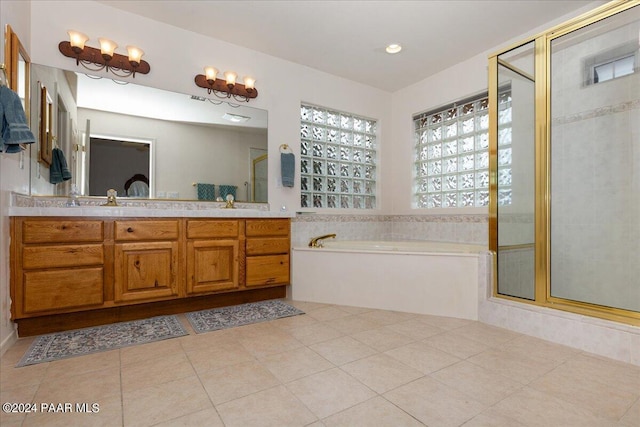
{"type": "Point", "coordinates": [386, 317]}
{"type": "Point", "coordinates": [24, 394]}
{"type": "Point", "coordinates": [482, 385]}
{"type": "Point", "coordinates": [207, 340]}
{"type": "Point", "coordinates": [307, 306]}
{"type": "Point", "coordinates": [218, 356]}
{"type": "Point", "coordinates": [632, 417]}
{"type": "Point", "coordinates": [353, 310]}
{"type": "Point", "coordinates": [151, 405]}
{"type": "Point", "coordinates": [329, 392]}
{"type": "Point", "coordinates": [208, 418]}
{"type": "Point", "coordinates": [146, 352]}
{"type": "Point", "coordinates": [291, 322]}
{"type": "Point", "coordinates": [415, 329]}
{"type": "Point", "coordinates": [83, 364]}
{"type": "Point", "coordinates": [274, 342]}
{"type": "Point", "coordinates": [605, 371]}
{"type": "Point", "coordinates": [83, 387]}
{"type": "Point", "coordinates": [423, 357]}
{"type": "Point", "coordinates": [18, 377]}
{"type": "Point", "coordinates": [294, 364]}
{"type": "Point", "coordinates": [382, 339]}
{"type": "Point", "coordinates": [377, 412]}
{"type": "Point", "coordinates": [14, 353]}
{"type": "Point", "coordinates": [608, 399]}
{"type": "Point", "coordinates": [232, 382]}
{"type": "Point", "coordinates": [352, 324]}
{"type": "Point", "coordinates": [381, 373]}
{"type": "Point", "coordinates": [533, 408]}
{"type": "Point", "coordinates": [275, 407]}
{"type": "Point", "coordinates": [525, 345]}
{"type": "Point", "coordinates": [456, 345]}
{"type": "Point", "coordinates": [448, 323]}
{"type": "Point", "coordinates": [144, 373]}
{"type": "Point", "coordinates": [434, 403]}
{"type": "Point", "coordinates": [487, 334]}
{"type": "Point", "coordinates": [107, 414]}
{"type": "Point", "coordinates": [492, 418]}
{"type": "Point", "coordinates": [342, 350]}
{"type": "Point", "coordinates": [523, 369]}
{"type": "Point", "coordinates": [328, 313]}
{"type": "Point", "coordinates": [315, 333]}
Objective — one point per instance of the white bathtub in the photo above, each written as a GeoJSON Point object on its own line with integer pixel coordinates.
{"type": "Point", "coordinates": [412, 276]}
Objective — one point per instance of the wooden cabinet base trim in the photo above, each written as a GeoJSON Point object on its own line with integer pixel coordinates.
{"type": "Point", "coordinates": [62, 322]}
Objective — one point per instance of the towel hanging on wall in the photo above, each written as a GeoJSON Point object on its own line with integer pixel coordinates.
{"type": "Point", "coordinates": [59, 171]}
{"type": "Point", "coordinates": [287, 166]}
{"type": "Point", "coordinates": [206, 191]}
{"type": "Point", "coordinates": [13, 122]}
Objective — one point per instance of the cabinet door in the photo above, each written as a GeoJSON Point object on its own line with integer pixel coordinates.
{"type": "Point", "coordinates": [212, 265]}
{"type": "Point", "coordinates": [62, 290]}
{"type": "Point", "coordinates": [145, 271]}
{"type": "Point", "coordinates": [268, 270]}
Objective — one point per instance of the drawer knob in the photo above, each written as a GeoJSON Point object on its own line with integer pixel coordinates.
{"type": "Point", "coordinates": [130, 230]}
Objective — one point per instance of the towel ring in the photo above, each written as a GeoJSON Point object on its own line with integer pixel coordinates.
{"type": "Point", "coordinates": [284, 148]}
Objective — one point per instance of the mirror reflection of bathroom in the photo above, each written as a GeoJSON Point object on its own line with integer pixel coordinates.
{"type": "Point", "coordinates": [121, 164]}
{"type": "Point", "coordinates": [259, 182]}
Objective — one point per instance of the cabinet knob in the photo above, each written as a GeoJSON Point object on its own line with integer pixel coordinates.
{"type": "Point", "coordinates": [130, 229]}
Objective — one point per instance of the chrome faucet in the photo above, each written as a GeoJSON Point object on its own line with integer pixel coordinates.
{"type": "Point", "coordinates": [316, 242]}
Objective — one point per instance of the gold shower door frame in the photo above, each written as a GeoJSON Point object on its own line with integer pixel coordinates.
{"type": "Point", "coordinates": [542, 142]}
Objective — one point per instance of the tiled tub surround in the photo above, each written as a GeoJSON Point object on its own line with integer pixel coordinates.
{"type": "Point", "coordinates": [472, 229]}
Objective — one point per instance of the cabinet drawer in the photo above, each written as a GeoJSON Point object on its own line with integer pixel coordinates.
{"type": "Point", "coordinates": [267, 246]}
{"type": "Point", "coordinates": [211, 229]}
{"type": "Point", "coordinates": [267, 270]}
{"type": "Point", "coordinates": [62, 289]}
{"type": "Point", "coordinates": [62, 231]}
{"type": "Point", "coordinates": [62, 256]}
{"type": "Point", "coordinates": [267, 227]}
{"type": "Point", "coordinates": [146, 230]}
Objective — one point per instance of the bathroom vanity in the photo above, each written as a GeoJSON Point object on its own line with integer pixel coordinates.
{"type": "Point", "coordinates": [76, 271]}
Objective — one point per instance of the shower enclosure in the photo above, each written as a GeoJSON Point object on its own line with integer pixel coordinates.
{"type": "Point", "coordinates": [565, 212]}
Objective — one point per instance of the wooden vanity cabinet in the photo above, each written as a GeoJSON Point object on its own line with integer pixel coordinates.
{"type": "Point", "coordinates": [58, 265]}
{"type": "Point", "coordinates": [214, 251]}
{"type": "Point", "coordinates": [146, 254]}
{"type": "Point", "coordinates": [71, 272]}
{"type": "Point", "coordinates": [268, 242]}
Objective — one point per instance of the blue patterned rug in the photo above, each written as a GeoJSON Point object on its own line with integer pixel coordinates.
{"type": "Point", "coordinates": [78, 342]}
{"type": "Point", "coordinates": [238, 315]}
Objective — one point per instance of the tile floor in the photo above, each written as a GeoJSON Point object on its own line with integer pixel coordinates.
{"type": "Point", "coordinates": [333, 366]}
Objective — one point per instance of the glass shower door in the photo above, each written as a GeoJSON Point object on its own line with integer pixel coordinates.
{"type": "Point", "coordinates": [514, 172]}
{"type": "Point", "coordinates": [595, 163]}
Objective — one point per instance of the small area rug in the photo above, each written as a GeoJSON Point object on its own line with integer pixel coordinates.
{"type": "Point", "coordinates": [238, 315]}
{"type": "Point", "coordinates": [79, 342]}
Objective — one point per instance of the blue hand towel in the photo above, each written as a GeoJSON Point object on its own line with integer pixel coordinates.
{"type": "Point", "coordinates": [206, 191]}
{"type": "Point", "coordinates": [287, 168]}
{"type": "Point", "coordinates": [58, 171]}
{"type": "Point", "coordinates": [227, 189]}
{"type": "Point", "coordinates": [15, 130]}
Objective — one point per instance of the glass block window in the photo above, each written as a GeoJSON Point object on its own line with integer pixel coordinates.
{"type": "Point", "coordinates": [451, 167]}
{"type": "Point", "coordinates": [337, 159]}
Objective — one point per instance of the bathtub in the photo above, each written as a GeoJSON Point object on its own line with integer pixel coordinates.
{"type": "Point", "coordinates": [437, 278]}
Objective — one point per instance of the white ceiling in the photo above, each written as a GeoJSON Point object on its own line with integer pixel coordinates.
{"type": "Point", "coordinates": [347, 38]}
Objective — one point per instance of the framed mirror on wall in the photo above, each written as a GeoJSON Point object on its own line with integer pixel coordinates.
{"type": "Point", "coordinates": [18, 67]}
{"type": "Point", "coordinates": [46, 134]}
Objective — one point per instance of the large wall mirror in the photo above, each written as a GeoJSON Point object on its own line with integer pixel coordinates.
{"type": "Point", "coordinates": [150, 143]}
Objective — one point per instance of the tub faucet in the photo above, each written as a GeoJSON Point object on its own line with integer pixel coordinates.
{"type": "Point", "coordinates": [316, 242]}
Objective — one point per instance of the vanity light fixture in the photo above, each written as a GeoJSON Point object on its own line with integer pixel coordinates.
{"type": "Point", "coordinates": [227, 87]}
{"type": "Point", "coordinates": [104, 58]}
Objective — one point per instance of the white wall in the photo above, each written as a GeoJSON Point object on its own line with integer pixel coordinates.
{"type": "Point", "coordinates": [177, 55]}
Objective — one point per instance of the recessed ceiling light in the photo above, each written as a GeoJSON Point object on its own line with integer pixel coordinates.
{"type": "Point", "coordinates": [393, 48]}
{"type": "Point", "coordinates": [235, 118]}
